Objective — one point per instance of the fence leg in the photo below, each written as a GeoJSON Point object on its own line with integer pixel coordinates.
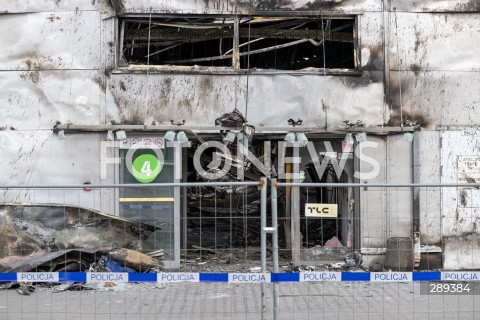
{"type": "Point", "coordinates": [263, 241]}
{"type": "Point", "coordinates": [275, 246]}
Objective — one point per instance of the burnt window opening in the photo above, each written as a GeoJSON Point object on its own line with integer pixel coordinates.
{"type": "Point", "coordinates": [178, 41]}
{"type": "Point", "coordinates": [297, 44]}
{"type": "Point", "coordinates": [240, 42]}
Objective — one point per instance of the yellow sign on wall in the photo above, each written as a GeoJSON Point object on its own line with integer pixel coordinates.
{"type": "Point", "coordinates": [321, 210]}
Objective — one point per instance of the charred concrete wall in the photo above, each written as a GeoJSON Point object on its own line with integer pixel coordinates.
{"type": "Point", "coordinates": [418, 59]}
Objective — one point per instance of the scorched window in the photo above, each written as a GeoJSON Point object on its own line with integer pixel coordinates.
{"type": "Point", "coordinates": [281, 43]}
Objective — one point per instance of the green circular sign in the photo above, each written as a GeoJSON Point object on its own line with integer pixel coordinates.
{"type": "Point", "coordinates": [146, 167]}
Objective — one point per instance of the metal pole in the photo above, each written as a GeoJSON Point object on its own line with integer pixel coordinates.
{"type": "Point", "coordinates": [263, 240]}
{"type": "Point", "coordinates": [339, 131]}
{"type": "Point", "coordinates": [275, 246]}
{"type": "Point", "coordinates": [288, 202]}
{"type": "Point", "coordinates": [120, 57]}
{"type": "Point", "coordinates": [295, 209]}
{"type": "Point", "coordinates": [236, 50]}
{"type": "Point", "coordinates": [177, 205]}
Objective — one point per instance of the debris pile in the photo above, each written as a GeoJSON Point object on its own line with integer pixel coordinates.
{"type": "Point", "coordinates": [79, 260]}
{"type": "Point", "coordinates": [333, 250]}
{"type": "Point", "coordinates": [354, 259]}
{"type": "Point", "coordinates": [67, 239]}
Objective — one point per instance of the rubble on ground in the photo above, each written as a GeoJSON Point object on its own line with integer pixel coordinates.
{"type": "Point", "coordinates": [50, 238]}
{"type": "Point", "coordinates": [354, 259]}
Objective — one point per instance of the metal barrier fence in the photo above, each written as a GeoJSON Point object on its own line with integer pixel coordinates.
{"type": "Point", "coordinates": [208, 234]}
{"type": "Point", "coordinates": [428, 214]}
{"type": "Point", "coordinates": [62, 234]}
{"type": "Point", "coordinates": [191, 221]}
{"type": "Point", "coordinates": [388, 229]}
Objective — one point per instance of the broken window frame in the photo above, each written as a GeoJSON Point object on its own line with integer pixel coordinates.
{"type": "Point", "coordinates": [235, 53]}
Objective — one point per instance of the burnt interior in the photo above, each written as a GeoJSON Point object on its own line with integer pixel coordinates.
{"type": "Point", "coordinates": [222, 218]}
{"type": "Point", "coordinates": [287, 43]}
{"type": "Point", "coordinates": [295, 44]}
{"type": "Point", "coordinates": [318, 231]}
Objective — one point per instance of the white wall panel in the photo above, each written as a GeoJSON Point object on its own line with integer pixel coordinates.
{"type": "Point", "coordinates": [50, 41]}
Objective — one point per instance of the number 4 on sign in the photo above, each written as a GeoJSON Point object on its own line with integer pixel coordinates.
{"type": "Point", "coordinates": [146, 169]}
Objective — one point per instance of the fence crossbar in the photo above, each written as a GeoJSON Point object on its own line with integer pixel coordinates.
{"type": "Point", "coordinates": [135, 185]}
{"type": "Point", "coordinates": [379, 185]}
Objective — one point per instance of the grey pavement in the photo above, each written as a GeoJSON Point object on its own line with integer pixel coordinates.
{"type": "Point", "coordinates": [347, 300]}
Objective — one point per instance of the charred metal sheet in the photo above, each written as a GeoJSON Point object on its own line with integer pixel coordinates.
{"type": "Point", "coordinates": [272, 99]}
{"type": "Point", "coordinates": [434, 97]}
{"type": "Point", "coordinates": [373, 201]}
{"type": "Point", "coordinates": [39, 99]}
{"type": "Point", "coordinates": [440, 59]}
{"type": "Point", "coordinates": [435, 5]}
{"type": "Point", "coordinates": [24, 152]}
{"type": "Point", "coordinates": [460, 206]}
{"type": "Point", "coordinates": [123, 7]}
{"type": "Point", "coordinates": [371, 49]}
{"type": "Point", "coordinates": [399, 169]}
{"type": "Point", "coordinates": [437, 42]}
{"type": "Point", "coordinates": [429, 198]}
{"type": "Point", "coordinates": [108, 46]}
{"type": "Point", "coordinates": [47, 261]}
{"type": "Point", "coordinates": [47, 6]}
{"type": "Point", "coordinates": [62, 40]}
{"type": "Point", "coordinates": [81, 259]}
{"type": "Point", "coordinates": [106, 9]}
{"type": "Point", "coordinates": [33, 230]}
{"type": "Point", "coordinates": [459, 253]}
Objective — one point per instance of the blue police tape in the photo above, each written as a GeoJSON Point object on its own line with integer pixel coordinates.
{"type": "Point", "coordinates": [356, 276]}
{"type": "Point", "coordinates": [173, 277]}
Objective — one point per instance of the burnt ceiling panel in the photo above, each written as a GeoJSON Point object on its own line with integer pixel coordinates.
{"type": "Point", "coordinates": [436, 5]}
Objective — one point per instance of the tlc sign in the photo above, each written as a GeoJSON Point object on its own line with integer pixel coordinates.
{"type": "Point", "coordinates": [321, 210]}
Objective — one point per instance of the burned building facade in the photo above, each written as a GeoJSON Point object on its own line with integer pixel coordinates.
{"type": "Point", "coordinates": [401, 74]}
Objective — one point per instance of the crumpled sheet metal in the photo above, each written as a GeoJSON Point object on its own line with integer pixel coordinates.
{"type": "Point", "coordinates": [48, 260]}
{"type": "Point", "coordinates": [91, 259]}
{"type": "Point", "coordinates": [105, 260]}
{"type": "Point", "coordinates": [34, 230]}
